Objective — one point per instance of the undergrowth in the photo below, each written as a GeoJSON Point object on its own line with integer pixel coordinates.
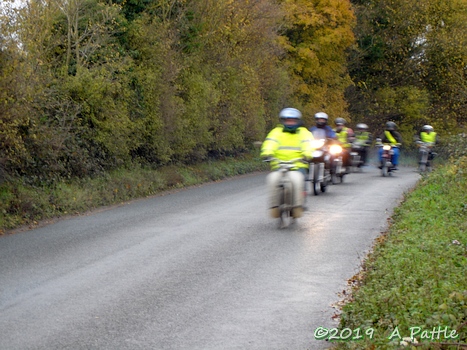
{"type": "Point", "coordinates": [22, 204]}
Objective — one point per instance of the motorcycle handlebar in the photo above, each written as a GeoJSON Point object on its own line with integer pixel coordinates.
{"type": "Point", "coordinates": [397, 145]}
{"type": "Point", "coordinates": [281, 161]}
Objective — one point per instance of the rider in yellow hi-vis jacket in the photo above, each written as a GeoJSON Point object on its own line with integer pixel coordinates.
{"type": "Point", "coordinates": [288, 141]}
{"type": "Point", "coordinates": [428, 135]}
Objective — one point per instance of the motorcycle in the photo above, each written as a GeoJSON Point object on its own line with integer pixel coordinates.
{"type": "Point", "coordinates": [337, 169]}
{"type": "Point", "coordinates": [356, 156]}
{"type": "Point", "coordinates": [286, 188]}
{"type": "Point", "coordinates": [386, 159]}
{"type": "Point", "coordinates": [319, 174]}
{"type": "Point", "coordinates": [425, 156]}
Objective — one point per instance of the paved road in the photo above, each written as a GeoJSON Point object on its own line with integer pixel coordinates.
{"type": "Point", "coordinates": [203, 268]}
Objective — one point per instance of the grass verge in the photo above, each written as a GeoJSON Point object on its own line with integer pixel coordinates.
{"type": "Point", "coordinates": [414, 283]}
{"type": "Point", "coordinates": [22, 204]}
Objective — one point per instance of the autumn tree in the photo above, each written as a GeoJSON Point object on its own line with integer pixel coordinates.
{"type": "Point", "coordinates": [77, 104]}
{"type": "Point", "coordinates": [444, 62]}
{"type": "Point", "coordinates": [16, 92]}
{"type": "Point", "coordinates": [407, 64]}
{"type": "Point", "coordinates": [316, 35]}
{"type": "Point", "coordinates": [105, 84]}
{"type": "Point", "coordinates": [214, 75]}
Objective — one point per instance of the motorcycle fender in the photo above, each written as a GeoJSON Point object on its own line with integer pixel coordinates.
{"type": "Point", "coordinates": [298, 183]}
{"type": "Point", "coordinates": [272, 179]}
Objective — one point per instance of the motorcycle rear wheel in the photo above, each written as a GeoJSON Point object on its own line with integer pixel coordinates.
{"type": "Point", "coordinates": [285, 218]}
{"type": "Point", "coordinates": [385, 170]}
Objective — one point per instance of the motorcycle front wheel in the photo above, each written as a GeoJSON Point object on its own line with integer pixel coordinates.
{"type": "Point", "coordinates": [323, 187]}
{"type": "Point", "coordinates": [334, 179]}
{"type": "Point", "coordinates": [285, 208]}
{"type": "Point", "coordinates": [316, 180]}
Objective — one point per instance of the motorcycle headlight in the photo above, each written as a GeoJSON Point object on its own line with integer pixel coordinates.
{"type": "Point", "coordinates": [317, 154]}
{"type": "Point", "coordinates": [335, 149]}
{"type": "Point", "coordinates": [317, 144]}
{"type": "Point", "coordinates": [386, 147]}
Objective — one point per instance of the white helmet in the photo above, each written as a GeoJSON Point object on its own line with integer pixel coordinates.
{"type": "Point", "coordinates": [321, 115]}
{"type": "Point", "coordinates": [290, 113]}
{"type": "Point", "coordinates": [427, 128]}
{"type": "Point", "coordinates": [362, 126]}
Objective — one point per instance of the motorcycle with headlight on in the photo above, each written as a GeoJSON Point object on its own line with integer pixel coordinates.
{"type": "Point", "coordinates": [337, 168]}
{"type": "Point", "coordinates": [285, 187]}
{"type": "Point", "coordinates": [319, 174]}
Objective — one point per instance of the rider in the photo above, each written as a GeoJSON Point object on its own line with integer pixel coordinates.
{"type": "Point", "coordinates": [391, 136]}
{"type": "Point", "coordinates": [363, 140]}
{"type": "Point", "coordinates": [322, 130]}
{"type": "Point", "coordinates": [287, 141]}
{"type": "Point", "coordinates": [345, 136]}
{"type": "Point", "coordinates": [428, 134]}
{"type": "Point", "coordinates": [321, 120]}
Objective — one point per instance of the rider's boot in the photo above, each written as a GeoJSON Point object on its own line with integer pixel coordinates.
{"type": "Point", "coordinates": [297, 212]}
{"type": "Point", "coordinates": [274, 212]}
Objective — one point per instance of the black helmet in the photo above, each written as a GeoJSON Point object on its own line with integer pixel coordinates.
{"type": "Point", "coordinates": [391, 126]}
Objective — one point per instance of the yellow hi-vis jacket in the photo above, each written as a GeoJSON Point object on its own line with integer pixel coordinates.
{"type": "Point", "coordinates": [342, 136]}
{"type": "Point", "coordinates": [425, 137]}
{"type": "Point", "coordinates": [391, 138]}
{"type": "Point", "coordinates": [287, 146]}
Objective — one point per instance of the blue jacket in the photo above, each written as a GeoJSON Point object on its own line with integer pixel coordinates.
{"type": "Point", "coordinates": [330, 134]}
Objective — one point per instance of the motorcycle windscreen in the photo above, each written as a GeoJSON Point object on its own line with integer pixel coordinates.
{"type": "Point", "coordinates": [319, 134]}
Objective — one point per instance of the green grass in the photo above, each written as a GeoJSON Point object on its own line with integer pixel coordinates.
{"type": "Point", "coordinates": [416, 274]}
{"type": "Point", "coordinates": [22, 204]}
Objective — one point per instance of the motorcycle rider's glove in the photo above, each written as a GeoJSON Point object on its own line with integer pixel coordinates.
{"type": "Point", "coordinates": [267, 158]}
